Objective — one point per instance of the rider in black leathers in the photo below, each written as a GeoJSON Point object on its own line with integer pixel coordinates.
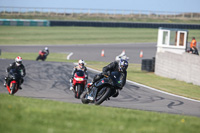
{"type": "Point", "coordinates": [19, 67]}
{"type": "Point", "coordinates": [118, 66]}
{"type": "Point", "coordinates": [46, 50]}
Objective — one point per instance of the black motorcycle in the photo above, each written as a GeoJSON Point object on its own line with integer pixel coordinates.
{"type": "Point", "coordinates": [101, 90]}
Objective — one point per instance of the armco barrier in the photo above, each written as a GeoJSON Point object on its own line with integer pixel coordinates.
{"type": "Point", "coordinates": [123, 24]}
{"type": "Point", "coordinates": [23, 22]}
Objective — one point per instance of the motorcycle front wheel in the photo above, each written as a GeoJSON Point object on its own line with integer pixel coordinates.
{"type": "Point", "coordinates": [12, 88]}
{"type": "Point", "coordinates": [78, 91]}
{"type": "Point", "coordinates": [102, 95]}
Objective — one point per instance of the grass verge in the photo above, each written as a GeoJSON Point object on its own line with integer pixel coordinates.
{"type": "Point", "coordinates": [13, 35]}
{"type": "Point", "coordinates": [19, 114]}
{"type": "Point", "coordinates": [134, 74]}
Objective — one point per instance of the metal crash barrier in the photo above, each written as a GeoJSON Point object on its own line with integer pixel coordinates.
{"type": "Point", "coordinates": [23, 22]}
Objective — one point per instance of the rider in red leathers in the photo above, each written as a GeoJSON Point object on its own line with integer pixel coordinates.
{"type": "Point", "coordinates": [80, 66]}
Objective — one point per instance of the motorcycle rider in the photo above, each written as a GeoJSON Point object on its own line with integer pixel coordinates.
{"type": "Point", "coordinates": [117, 66]}
{"type": "Point", "coordinates": [19, 67]}
{"type": "Point", "coordinates": [80, 66]}
{"type": "Point", "coordinates": [46, 51]}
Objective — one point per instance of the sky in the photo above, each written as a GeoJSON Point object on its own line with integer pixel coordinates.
{"type": "Point", "coordinates": [151, 5]}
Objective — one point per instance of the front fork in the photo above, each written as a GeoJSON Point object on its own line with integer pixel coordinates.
{"type": "Point", "coordinates": [92, 94]}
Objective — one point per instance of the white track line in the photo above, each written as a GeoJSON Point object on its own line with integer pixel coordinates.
{"type": "Point", "coordinates": [152, 88]}
{"type": "Point", "coordinates": [68, 57]}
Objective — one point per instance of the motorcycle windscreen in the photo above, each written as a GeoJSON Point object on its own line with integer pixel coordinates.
{"type": "Point", "coordinates": [80, 73]}
{"type": "Point", "coordinates": [115, 76]}
{"type": "Point", "coordinates": [15, 73]}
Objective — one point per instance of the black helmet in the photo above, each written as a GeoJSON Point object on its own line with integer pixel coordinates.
{"type": "Point", "coordinates": [123, 65]}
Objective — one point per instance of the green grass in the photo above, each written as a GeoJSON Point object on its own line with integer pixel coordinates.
{"type": "Point", "coordinates": [27, 115]}
{"type": "Point", "coordinates": [78, 35]}
{"type": "Point", "coordinates": [134, 74]}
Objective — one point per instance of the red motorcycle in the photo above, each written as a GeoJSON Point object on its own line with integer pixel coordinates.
{"type": "Point", "coordinates": [42, 55]}
{"type": "Point", "coordinates": [14, 78]}
{"type": "Point", "coordinates": [79, 82]}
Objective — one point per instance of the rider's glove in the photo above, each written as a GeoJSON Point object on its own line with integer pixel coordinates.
{"type": "Point", "coordinates": [104, 73]}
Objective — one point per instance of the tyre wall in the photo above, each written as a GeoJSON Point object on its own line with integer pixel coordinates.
{"type": "Point", "coordinates": [123, 24]}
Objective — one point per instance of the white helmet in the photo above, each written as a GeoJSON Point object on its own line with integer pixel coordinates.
{"type": "Point", "coordinates": [123, 65]}
{"type": "Point", "coordinates": [46, 48]}
{"type": "Point", "coordinates": [18, 60]}
{"type": "Point", "coordinates": [81, 63]}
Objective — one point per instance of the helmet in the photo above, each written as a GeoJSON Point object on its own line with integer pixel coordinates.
{"type": "Point", "coordinates": [18, 60]}
{"type": "Point", "coordinates": [81, 63]}
{"type": "Point", "coordinates": [123, 65]}
{"type": "Point", "coordinates": [46, 48]}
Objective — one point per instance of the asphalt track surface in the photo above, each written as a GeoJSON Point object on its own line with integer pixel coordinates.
{"type": "Point", "coordinates": [92, 52]}
{"type": "Point", "coordinates": [50, 80]}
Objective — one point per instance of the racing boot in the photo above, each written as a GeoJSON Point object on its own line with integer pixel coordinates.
{"type": "Point", "coordinates": [4, 84]}
{"type": "Point", "coordinates": [71, 84]}
{"type": "Point", "coordinates": [89, 85]}
{"type": "Point", "coordinates": [116, 94]}
{"type": "Point", "coordinates": [5, 81]}
{"type": "Point", "coordinates": [20, 87]}
{"type": "Point", "coordinates": [71, 88]}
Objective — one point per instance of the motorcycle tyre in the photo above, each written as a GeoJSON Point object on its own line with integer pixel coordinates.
{"type": "Point", "coordinates": [83, 99]}
{"type": "Point", "coordinates": [78, 92]}
{"type": "Point", "coordinates": [104, 97]}
{"type": "Point", "coordinates": [12, 88]}
{"type": "Point", "coordinates": [38, 58]}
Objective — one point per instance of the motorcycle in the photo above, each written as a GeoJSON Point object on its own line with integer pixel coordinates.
{"type": "Point", "coordinates": [41, 56]}
{"type": "Point", "coordinates": [102, 90]}
{"type": "Point", "coordinates": [79, 82]}
{"type": "Point", "coordinates": [14, 79]}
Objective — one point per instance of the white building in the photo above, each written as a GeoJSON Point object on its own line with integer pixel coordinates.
{"type": "Point", "coordinates": [173, 40]}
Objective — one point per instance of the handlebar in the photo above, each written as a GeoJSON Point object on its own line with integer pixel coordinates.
{"type": "Point", "coordinates": [106, 76]}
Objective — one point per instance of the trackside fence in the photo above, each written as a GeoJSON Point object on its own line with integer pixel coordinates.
{"type": "Point", "coordinates": [115, 13]}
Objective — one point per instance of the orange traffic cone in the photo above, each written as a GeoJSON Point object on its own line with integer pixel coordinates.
{"type": "Point", "coordinates": [141, 54]}
{"type": "Point", "coordinates": [102, 53]}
